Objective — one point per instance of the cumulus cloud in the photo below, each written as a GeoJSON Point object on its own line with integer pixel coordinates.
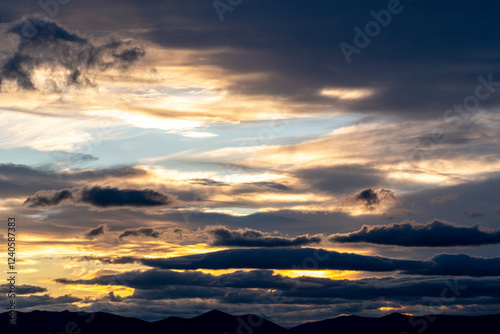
{"type": "Point", "coordinates": [140, 232]}
{"type": "Point", "coordinates": [49, 46]}
{"type": "Point", "coordinates": [96, 232]}
{"type": "Point", "coordinates": [252, 238]}
{"type": "Point", "coordinates": [369, 199]}
{"type": "Point", "coordinates": [102, 197]}
{"type": "Point", "coordinates": [434, 234]}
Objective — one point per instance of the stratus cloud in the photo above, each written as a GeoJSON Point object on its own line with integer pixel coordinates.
{"type": "Point", "coordinates": [284, 258]}
{"type": "Point", "coordinates": [434, 234]}
{"type": "Point", "coordinates": [54, 48]}
{"type": "Point", "coordinates": [96, 232]}
{"type": "Point", "coordinates": [252, 238]}
{"type": "Point", "coordinates": [444, 198]}
{"type": "Point", "coordinates": [317, 259]}
{"type": "Point", "coordinates": [24, 289]}
{"type": "Point", "coordinates": [140, 232]}
{"type": "Point", "coordinates": [164, 284]}
{"type": "Point", "coordinates": [102, 197]}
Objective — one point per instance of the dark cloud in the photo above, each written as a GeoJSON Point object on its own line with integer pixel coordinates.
{"type": "Point", "coordinates": [23, 180]}
{"type": "Point", "coordinates": [208, 182]}
{"type": "Point", "coordinates": [40, 301]}
{"type": "Point", "coordinates": [109, 260]}
{"type": "Point", "coordinates": [444, 198]}
{"type": "Point", "coordinates": [341, 179]}
{"type": "Point", "coordinates": [24, 289]}
{"type": "Point", "coordinates": [460, 265]}
{"type": "Point", "coordinates": [254, 286]}
{"type": "Point", "coordinates": [299, 50]}
{"type": "Point", "coordinates": [140, 232]}
{"type": "Point", "coordinates": [96, 232]}
{"type": "Point", "coordinates": [370, 198]}
{"type": "Point", "coordinates": [434, 234]}
{"type": "Point", "coordinates": [105, 173]}
{"type": "Point", "coordinates": [48, 198]}
{"type": "Point", "coordinates": [108, 197]}
{"type": "Point", "coordinates": [72, 158]}
{"type": "Point", "coordinates": [102, 197]}
{"type": "Point", "coordinates": [283, 258]}
{"type": "Point", "coordinates": [156, 279]}
{"type": "Point", "coordinates": [473, 214]}
{"type": "Point", "coordinates": [47, 45]}
{"type": "Point", "coordinates": [273, 185]}
{"type": "Point", "coordinates": [318, 259]}
{"type": "Point", "coordinates": [252, 238]}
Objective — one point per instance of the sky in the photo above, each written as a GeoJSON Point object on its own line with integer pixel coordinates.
{"type": "Point", "coordinates": [298, 160]}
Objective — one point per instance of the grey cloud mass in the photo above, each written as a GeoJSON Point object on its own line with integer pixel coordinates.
{"type": "Point", "coordinates": [140, 232]}
{"type": "Point", "coordinates": [47, 45]}
{"type": "Point", "coordinates": [434, 234]}
{"type": "Point", "coordinates": [252, 238]}
{"type": "Point", "coordinates": [96, 232]}
{"type": "Point", "coordinates": [102, 197]}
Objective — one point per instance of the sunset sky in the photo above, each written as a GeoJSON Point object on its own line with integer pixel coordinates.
{"type": "Point", "coordinates": [298, 160]}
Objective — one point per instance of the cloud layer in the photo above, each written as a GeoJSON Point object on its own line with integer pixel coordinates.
{"type": "Point", "coordinates": [45, 45]}
{"type": "Point", "coordinates": [252, 238]}
{"type": "Point", "coordinates": [434, 234]}
{"type": "Point", "coordinates": [101, 197]}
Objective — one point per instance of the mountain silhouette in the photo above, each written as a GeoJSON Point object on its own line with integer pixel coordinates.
{"type": "Point", "coordinates": [213, 322]}
{"type": "Point", "coordinates": [217, 322]}
{"type": "Point", "coordinates": [397, 323]}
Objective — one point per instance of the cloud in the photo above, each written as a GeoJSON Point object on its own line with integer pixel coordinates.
{"type": "Point", "coordinates": [273, 185]}
{"type": "Point", "coordinates": [24, 289]}
{"type": "Point", "coordinates": [96, 232]}
{"type": "Point", "coordinates": [460, 265]}
{"type": "Point", "coordinates": [341, 179]}
{"type": "Point", "coordinates": [52, 47]}
{"type": "Point", "coordinates": [155, 279]}
{"type": "Point", "coordinates": [317, 259]}
{"type": "Point", "coordinates": [434, 234]}
{"type": "Point", "coordinates": [141, 231]}
{"type": "Point", "coordinates": [102, 197]}
{"type": "Point", "coordinates": [252, 238]}
{"type": "Point", "coordinates": [208, 182]}
{"type": "Point", "coordinates": [252, 286]}
{"type": "Point", "coordinates": [48, 198]}
{"type": "Point", "coordinates": [473, 214]}
{"type": "Point", "coordinates": [370, 198]}
{"type": "Point", "coordinates": [283, 258]}
{"type": "Point", "coordinates": [444, 198]}
{"type": "Point", "coordinates": [46, 300]}
{"type": "Point", "coordinates": [108, 197]}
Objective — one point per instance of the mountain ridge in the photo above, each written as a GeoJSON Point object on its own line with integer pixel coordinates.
{"type": "Point", "coordinates": [218, 322]}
